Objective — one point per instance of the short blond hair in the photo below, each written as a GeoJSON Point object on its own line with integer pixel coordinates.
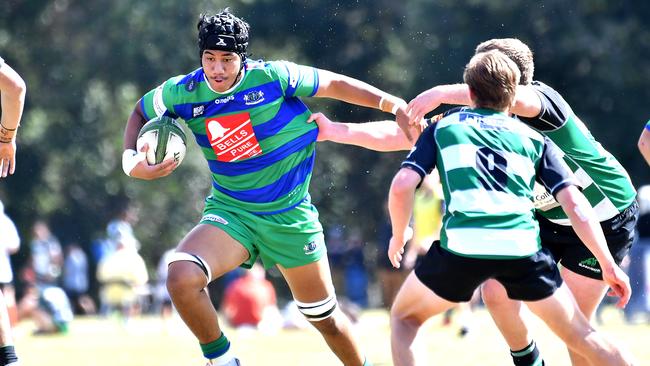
{"type": "Point", "coordinates": [492, 78]}
{"type": "Point", "coordinates": [517, 51]}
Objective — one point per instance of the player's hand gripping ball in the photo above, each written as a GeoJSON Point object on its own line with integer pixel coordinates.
{"type": "Point", "coordinates": [166, 140]}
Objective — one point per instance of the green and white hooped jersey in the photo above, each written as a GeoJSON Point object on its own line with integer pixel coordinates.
{"type": "Point", "coordinates": [255, 138]}
{"type": "Point", "coordinates": [602, 178]}
{"type": "Point", "coordinates": [488, 163]}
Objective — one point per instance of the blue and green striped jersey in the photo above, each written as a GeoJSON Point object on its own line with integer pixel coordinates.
{"type": "Point", "coordinates": [255, 138]}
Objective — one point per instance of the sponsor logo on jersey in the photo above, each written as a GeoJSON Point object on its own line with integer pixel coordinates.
{"type": "Point", "coordinates": [310, 248]}
{"type": "Point", "coordinates": [224, 100]}
{"type": "Point", "coordinates": [198, 111]}
{"type": "Point", "coordinates": [590, 264]}
{"type": "Point", "coordinates": [214, 218]}
{"type": "Point", "coordinates": [254, 97]}
{"type": "Point", "coordinates": [232, 137]}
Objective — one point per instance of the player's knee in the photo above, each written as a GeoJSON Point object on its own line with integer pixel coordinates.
{"type": "Point", "coordinates": [493, 294]}
{"type": "Point", "coordinates": [183, 276]}
{"type": "Point", "coordinates": [402, 318]}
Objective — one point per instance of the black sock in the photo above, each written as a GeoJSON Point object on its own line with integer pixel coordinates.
{"type": "Point", "coordinates": [7, 355]}
{"type": "Point", "coordinates": [529, 356]}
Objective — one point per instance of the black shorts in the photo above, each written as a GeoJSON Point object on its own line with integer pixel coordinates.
{"type": "Point", "coordinates": [455, 278]}
{"type": "Point", "coordinates": [568, 250]}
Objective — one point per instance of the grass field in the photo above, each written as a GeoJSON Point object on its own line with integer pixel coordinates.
{"type": "Point", "coordinates": [148, 341]}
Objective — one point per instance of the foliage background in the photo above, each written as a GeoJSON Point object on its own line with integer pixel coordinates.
{"type": "Point", "coordinates": [86, 63]}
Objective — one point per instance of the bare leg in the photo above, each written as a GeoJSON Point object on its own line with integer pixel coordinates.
{"type": "Point", "coordinates": [508, 315]}
{"type": "Point", "coordinates": [561, 314]}
{"type": "Point", "coordinates": [588, 293]}
{"type": "Point", "coordinates": [312, 283]}
{"type": "Point", "coordinates": [186, 281]}
{"type": "Point", "coordinates": [415, 303]}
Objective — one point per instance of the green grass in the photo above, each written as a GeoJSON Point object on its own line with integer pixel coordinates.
{"type": "Point", "coordinates": [147, 341]}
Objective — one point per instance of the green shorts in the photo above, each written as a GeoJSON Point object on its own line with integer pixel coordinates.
{"type": "Point", "coordinates": [291, 239]}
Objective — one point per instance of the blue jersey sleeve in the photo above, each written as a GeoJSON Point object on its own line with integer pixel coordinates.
{"type": "Point", "coordinates": [296, 80]}
{"type": "Point", "coordinates": [159, 102]}
{"type": "Point", "coordinates": [553, 172]}
{"type": "Point", "coordinates": [422, 157]}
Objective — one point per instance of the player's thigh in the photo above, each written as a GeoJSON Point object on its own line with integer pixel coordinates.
{"type": "Point", "coordinates": [220, 250]}
{"type": "Point", "coordinates": [588, 292]}
{"type": "Point", "coordinates": [416, 302]}
{"type": "Point", "coordinates": [560, 312]}
{"type": "Point", "coordinates": [310, 282]}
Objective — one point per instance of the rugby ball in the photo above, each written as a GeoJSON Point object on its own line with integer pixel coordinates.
{"type": "Point", "coordinates": [166, 140]}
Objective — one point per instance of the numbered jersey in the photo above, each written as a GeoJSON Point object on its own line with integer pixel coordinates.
{"type": "Point", "coordinates": [488, 163]}
{"type": "Point", "coordinates": [255, 138]}
{"type": "Point", "coordinates": [602, 178]}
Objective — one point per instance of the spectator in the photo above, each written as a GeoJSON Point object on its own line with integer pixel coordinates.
{"type": "Point", "coordinates": [75, 279]}
{"type": "Point", "coordinates": [162, 301]}
{"type": "Point", "coordinates": [638, 309]}
{"type": "Point", "coordinates": [250, 300]}
{"type": "Point", "coordinates": [122, 275]}
{"type": "Point", "coordinates": [120, 227]}
{"type": "Point", "coordinates": [47, 257]}
{"type": "Point", "coordinates": [48, 307]}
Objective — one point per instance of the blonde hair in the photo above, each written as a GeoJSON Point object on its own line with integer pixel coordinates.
{"type": "Point", "coordinates": [517, 51]}
{"type": "Point", "coordinates": [492, 78]}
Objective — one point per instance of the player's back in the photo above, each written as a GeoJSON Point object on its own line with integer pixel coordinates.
{"type": "Point", "coordinates": [487, 163]}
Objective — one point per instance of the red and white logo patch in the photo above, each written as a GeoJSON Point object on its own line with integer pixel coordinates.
{"type": "Point", "coordinates": [232, 137]}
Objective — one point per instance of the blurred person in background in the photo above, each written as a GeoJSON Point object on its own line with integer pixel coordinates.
{"type": "Point", "coordinates": [122, 274]}
{"type": "Point", "coordinates": [638, 309]}
{"type": "Point", "coordinates": [9, 244]}
{"type": "Point", "coordinates": [75, 279]}
{"type": "Point", "coordinates": [250, 301]}
{"type": "Point", "coordinates": [47, 255]}
{"type": "Point", "coordinates": [121, 227]}
{"type": "Point", "coordinates": [644, 142]}
{"type": "Point", "coordinates": [49, 308]}
{"type": "Point", "coordinates": [162, 302]}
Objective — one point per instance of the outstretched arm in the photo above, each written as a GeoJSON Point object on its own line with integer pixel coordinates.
{"type": "Point", "coordinates": [12, 99]}
{"type": "Point", "coordinates": [134, 163]}
{"type": "Point", "coordinates": [527, 103]}
{"type": "Point", "coordinates": [347, 89]}
{"type": "Point", "coordinates": [584, 222]}
{"type": "Point", "coordinates": [378, 136]}
{"type": "Point", "coordinates": [644, 143]}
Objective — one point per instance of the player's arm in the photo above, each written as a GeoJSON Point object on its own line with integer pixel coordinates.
{"type": "Point", "coordinates": [420, 161]}
{"type": "Point", "coordinates": [527, 102]}
{"type": "Point", "coordinates": [12, 100]}
{"type": "Point", "coordinates": [350, 90]}
{"type": "Point", "coordinates": [400, 207]}
{"type": "Point", "coordinates": [558, 179]}
{"type": "Point", "coordinates": [644, 143]}
{"type": "Point", "coordinates": [134, 162]}
{"type": "Point", "coordinates": [378, 136]}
